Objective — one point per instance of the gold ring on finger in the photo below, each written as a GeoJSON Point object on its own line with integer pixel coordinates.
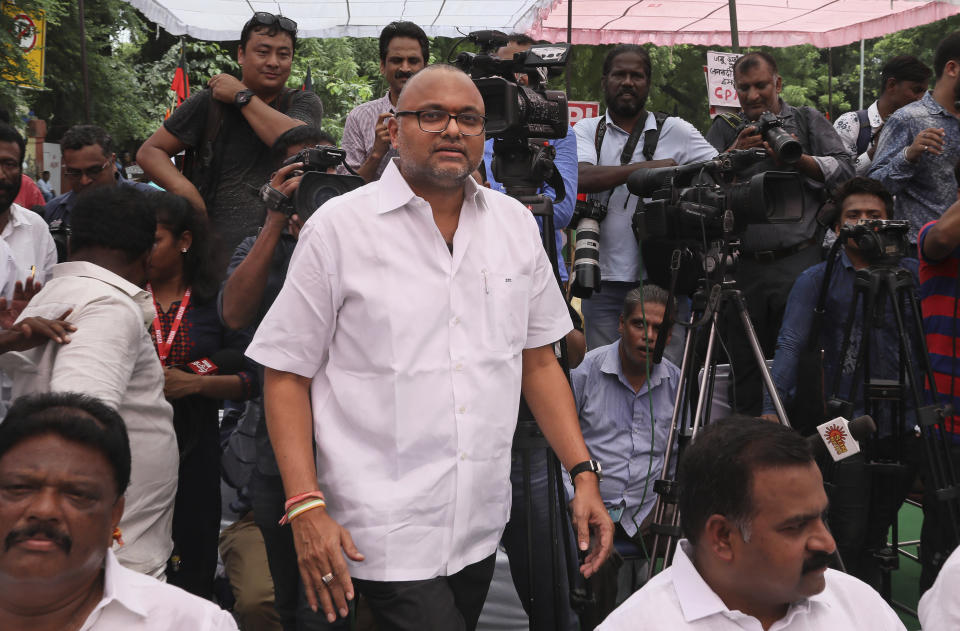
{"type": "Point", "coordinates": [327, 578]}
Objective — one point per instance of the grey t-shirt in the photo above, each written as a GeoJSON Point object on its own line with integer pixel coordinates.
{"type": "Point", "coordinates": [243, 160]}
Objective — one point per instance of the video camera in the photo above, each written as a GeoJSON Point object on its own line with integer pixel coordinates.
{"type": "Point", "coordinates": [880, 241]}
{"type": "Point", "coordinates": [317, 186]}
{"type": "Point", "coordinates": [770, 126]}
{"type": "Point", "coordinates": [514, 111]}
{"type": "Point", "coordinates": [688, 206]}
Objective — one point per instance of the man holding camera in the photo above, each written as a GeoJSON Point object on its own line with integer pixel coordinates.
{"type": "Point", "coordinates": [859, 517]}
{"type": "Point", "coordinates": [773, 255]}
{"type": "Point", "coordinates": [409, 379]}
{"type": "Point", "coordinates": [920, 145]}
{"type": "Point", "coordinates": [611, 147]}
{"type": "Point", "coordinates": [404, 50]}
{"type": "Point", "coordinates": [230, 128]}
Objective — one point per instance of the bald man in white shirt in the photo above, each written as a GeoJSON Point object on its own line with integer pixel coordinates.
{"type": "Point", "coordinates": [409, 376]}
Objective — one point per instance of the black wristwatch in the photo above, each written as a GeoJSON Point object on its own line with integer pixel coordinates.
{"type": "Point", "coordinates": [592, 466]}
{"type": "Point", "coordinates": [241, 98]}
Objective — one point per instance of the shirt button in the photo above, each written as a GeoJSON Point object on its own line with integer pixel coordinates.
{"type": "Point", "coordinates": [458, 367]}
{"type": "Point", "coordinates": [462, 409]}
{"type": "Point", "coordinates": [455, 321]}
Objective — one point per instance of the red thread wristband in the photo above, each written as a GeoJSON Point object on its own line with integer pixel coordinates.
{"type": "Point", "coordinates": [299, 497]}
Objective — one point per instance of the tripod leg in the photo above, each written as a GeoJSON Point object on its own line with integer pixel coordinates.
{"type": "Point", "coordinates": [758, 355]}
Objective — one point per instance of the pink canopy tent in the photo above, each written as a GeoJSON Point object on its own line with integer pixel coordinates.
{"type": "Point", "coordinates": [778, 23]}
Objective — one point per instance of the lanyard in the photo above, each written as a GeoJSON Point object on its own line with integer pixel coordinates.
{"type": "Point", "coordinates": [163, 347]}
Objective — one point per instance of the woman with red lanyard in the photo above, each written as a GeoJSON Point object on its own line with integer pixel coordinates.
{"type": "Point", "coordinates": [190, 340]}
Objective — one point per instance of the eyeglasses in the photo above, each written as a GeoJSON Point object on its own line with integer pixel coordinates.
{"type": "Point", "coordinates": [436, 121]}
{"type": "Point", "coordinates": [268, 19]}
{"type": "Point", "coordinates": [90, 172]}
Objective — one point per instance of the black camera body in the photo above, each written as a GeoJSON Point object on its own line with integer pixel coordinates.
{"type": "Point", "coordinates": [882, 242]}
{"type": "Point", "coordinates": [512, 110]}
{"type": "Point", "coordinates": [317, 186]}
{"type": "Point", "coordinates": [770, 126]}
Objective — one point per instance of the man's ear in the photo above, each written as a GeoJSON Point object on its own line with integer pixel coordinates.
{"type": "Point", "coordinates": [620, 324]}
{"type": "Point", "coordinates": [393, 126]}
{"type": "Point", "coordinates": [717, 537]}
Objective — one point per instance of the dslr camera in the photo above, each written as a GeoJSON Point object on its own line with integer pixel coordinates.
{"type": "Point", "coordinates": [770, 127]}
{"type": "Point", "coordinates": [880, 241]}
{"type": "Point", "coordinates": [317, 187]}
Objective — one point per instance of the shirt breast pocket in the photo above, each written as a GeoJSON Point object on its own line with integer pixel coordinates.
{"type": "Point", "coordinates": [506, 299]}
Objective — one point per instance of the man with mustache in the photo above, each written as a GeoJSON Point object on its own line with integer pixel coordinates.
{"type": "Point", "coordinates": [611, 147]}
{"type": "Point", "coordinates": [404, 50]}
{"type": "Point", "coordinates": [756, 547]}
{"type": "Point", "coordinates": [64, 468]}
{"type": "Point", "coordinates": [409, 377]}
{"type": "Point", "coordinates": [625, 404]}
{"type": "Point", "coordinates": [773, 255]}
{"type": "Point", "coordinates": [920, 145]}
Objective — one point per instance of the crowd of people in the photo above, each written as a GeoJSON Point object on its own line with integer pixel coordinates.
{"type": "Point", "coordinates": [353, 376]}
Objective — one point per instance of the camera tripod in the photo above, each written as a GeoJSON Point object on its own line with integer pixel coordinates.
{"type": "Point", "coordinates": [875, 287]}
{"type": "Point", "coordinates": [709, 302]}
{"type": "Point", "coordinates": [522, 167]}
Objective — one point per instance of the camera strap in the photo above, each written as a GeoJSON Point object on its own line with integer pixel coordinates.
{"type": "Point", "coordinates": [650, 138]}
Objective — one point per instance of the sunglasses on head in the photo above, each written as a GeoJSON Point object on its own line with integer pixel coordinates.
{"type": "Point", "coordinates": [268, 19]}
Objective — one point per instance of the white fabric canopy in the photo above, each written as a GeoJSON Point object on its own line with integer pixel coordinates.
{"type": "Point", "coordinates": [222, 19]}
{"type": "Point", "coordinates": [776, 23]}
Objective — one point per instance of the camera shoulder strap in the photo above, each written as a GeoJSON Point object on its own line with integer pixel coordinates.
{"type": "Point", "coordinates": [652, 136]}
{"type": "Point", "coordinates": [632, 141]}
{"type": "Point", "coordinates": [866, 131]}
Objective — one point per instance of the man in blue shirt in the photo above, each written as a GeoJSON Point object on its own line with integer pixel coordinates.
{"type": "Point", "coordinates": [858, 523]}
{"type": "Point", "coordinates": [625, 404]}
{"type": "Point", "coordinates": [920, 145]}
{"type": "Point", "coordinates": [565, 161]}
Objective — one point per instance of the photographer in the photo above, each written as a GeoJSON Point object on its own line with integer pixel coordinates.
{"type": "Point", "coordinates": [773, 255]}
{"type": "Point", "coordinates": [611, 147]}
{"type": "Point", "coordinates": [859, 524]}
{"type": "Point", "coordinates": [254, 278]}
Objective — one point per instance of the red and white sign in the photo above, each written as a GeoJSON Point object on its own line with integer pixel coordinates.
{"type": "Point", "coordinates": [579, 110]}
{"type": "Point", "coordinates": [719, 71]}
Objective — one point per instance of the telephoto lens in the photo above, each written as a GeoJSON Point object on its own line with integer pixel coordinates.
{"type": "Point", "coordinates": [586, 258]}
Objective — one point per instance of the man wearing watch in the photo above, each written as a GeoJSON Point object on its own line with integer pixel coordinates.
{"type": "Point", "coordinates": [229, 128]}
{"type": "Point", "coordinates": [625, 404]}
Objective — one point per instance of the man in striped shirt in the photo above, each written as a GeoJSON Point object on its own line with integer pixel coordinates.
{"type": "Point", "coordinates": [939, 249]}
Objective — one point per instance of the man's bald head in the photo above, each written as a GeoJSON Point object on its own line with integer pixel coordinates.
{"type": "Point", "coordinates": [451, 77]}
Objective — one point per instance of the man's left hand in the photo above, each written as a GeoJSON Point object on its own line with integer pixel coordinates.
{"type": "Point", "coordinates": [225, 87]}
{"type": "Point", "coordinates": [31, 332]}
{"type": "Point", "coordinates": [590, 516]}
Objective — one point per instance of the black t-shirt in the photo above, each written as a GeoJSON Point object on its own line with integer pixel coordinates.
{"type": "Point", "coordinates": [243, 160]}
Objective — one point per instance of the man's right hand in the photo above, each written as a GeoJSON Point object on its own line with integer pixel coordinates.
{"type": "Point", "coordinates": [930, 140]}
{"type": "Point", "coordinates": [656, 164]}
{"type": "Point", "coordinates": [321, 543]}
{"type": "Point", "coordinates": [748, 138]}
{"type": "Point", "coordinates": [381, 139]}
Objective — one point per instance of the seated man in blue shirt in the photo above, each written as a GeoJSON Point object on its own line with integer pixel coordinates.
{"type": "Point", "coordinates": [625, 404]}
{"type": "Point", "coordinates": [859, 523]}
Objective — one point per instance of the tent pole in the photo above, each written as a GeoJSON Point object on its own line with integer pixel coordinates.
{"type": "Point", "coordinates": [830, 84]}
{"type": "Point", "coordinates": [734, 35]}
{"type": "Point", "coordinates": [569, 40]}
{"type": "Point", "coordinates": [83, 63]}
{"type": "Point", "coordinates": [860, 107]}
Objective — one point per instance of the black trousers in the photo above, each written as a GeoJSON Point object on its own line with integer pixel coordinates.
{"type": "Point", "coordinates": [444, 603]}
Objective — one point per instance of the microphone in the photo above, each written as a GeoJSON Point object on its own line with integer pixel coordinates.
{"type": "Point", "coordinates": [840, 438]}
{"type": "Point", "coordinates": [226, 361]}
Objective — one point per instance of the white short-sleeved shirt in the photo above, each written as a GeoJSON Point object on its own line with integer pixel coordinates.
{"type": "Point", "coordinates": [939, 608]}
{"type": "Point", "coordinates": [415, 356]}
{"type": "Point", "coordinates": [619, 253]}
{"type": "Point", "coordinates": [111, 356]}
{"type": "Point", "coordinates": [678, 598]}
{"type": "Point", "coordinates": [29, 238]}
{"type": "Point", "coordinates": [134, 602]}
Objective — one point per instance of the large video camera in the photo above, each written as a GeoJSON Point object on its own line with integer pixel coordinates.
{"type": "Point", "coordinates": [317, 186]}
{"type": "Point", "coordinates": [882, 242]}
{"type": "Point", "coordinates": [514, 111]}
{"type": "Point", "coordinates": [688, 206]}
{"type": "Point", "coordinates": [770, 126]}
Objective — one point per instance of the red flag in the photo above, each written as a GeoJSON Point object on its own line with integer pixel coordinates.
{"type": "Point", "coordinates": [181, 85]}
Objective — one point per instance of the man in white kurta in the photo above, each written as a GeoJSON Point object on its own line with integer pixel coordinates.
{"type": "Point", "coordinates": [414, 372]}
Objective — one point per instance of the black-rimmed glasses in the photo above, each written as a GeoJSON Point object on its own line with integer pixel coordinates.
{"type": "Point", "coordinates": [268, 19]}
{"type": "Point", "coordinates": [90, 172]}
{"type": "Point", "coordinates": [436, 121]}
